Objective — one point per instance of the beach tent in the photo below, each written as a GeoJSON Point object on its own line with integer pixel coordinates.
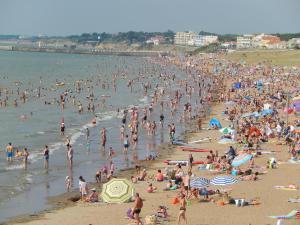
{"type": "Point", "coordinates": [117, 191]}
{"type": "Point", "coordinates": [215, 122]}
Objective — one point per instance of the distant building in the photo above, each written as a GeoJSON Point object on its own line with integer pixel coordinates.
{"type": "Point", "coordinates": [293, 43]}
{"type": "Point", "coordinates": [185, 38]}
{"type": "Point", "coordinates": [229, 45]}
{"type": "Point", "coordinates": [244, 41]}
{"type": "Point", "coordinates": [266, 41]}
{"type": "Point", "coordinates": [203, 40]}
{"type": "Point", "coordinates": [156, 40]}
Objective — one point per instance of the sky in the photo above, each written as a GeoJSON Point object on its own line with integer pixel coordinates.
{"type": "Point", "coordinates": [65, 17]}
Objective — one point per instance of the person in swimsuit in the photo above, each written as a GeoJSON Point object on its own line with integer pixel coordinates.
{"type": "Point", "coordinates": [25, 157]}
{"type": "Point", "coordinates": [62, 129]}
{"type": "Point", "coordinates": [103, 138]}
{"type": "Point", "coordinates": [182, 210]}
{"type": "Point", "coordinates": [87, 134]}
{"type": "Point", "coordinates": [70, 156]}
{"type": "Point", "coordinates": [126, 144]}
{"type": "Point", "coordinates": [46, 157]}
{"type": "Point", "coordinates": [138, 205]}
{"type": "Point", "coordinates": [9, 152]}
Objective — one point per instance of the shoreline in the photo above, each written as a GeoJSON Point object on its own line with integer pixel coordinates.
{"type": "Point", "coordinates": [71, 199]}
{"type": "Point", "coordinates": [63, 201]}
{"type": "Point", "coordinates": [86, 51]}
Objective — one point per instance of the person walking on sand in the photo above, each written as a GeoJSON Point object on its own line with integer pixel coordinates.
{"type": "Point", "coordinates": [138, 205]}
{"type": "Point", "coordinates": [182, 210]}
{"type": "Point", "coordinates": [46, 157]}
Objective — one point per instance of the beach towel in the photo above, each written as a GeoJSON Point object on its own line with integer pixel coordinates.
{"type": "Point", "coordinates": [286, 188]}
{"type": "Point", "coordinates": [201, 140]}
{"type": "Point", "coordinates": [294, 214]}
{"type": "Point", "coordinates": [292, 161]}
{"type": "Point", "coordinates": [294, 200]}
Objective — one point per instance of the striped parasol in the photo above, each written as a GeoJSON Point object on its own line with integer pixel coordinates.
{"type": "Point", "coordinates": [199, 182]}
{"type": "Point", "coordinates": [241, 159]}
{"type": "Point", "coordinates": [117, 191]}
{"type": "Point", "coordinates": [223, 180]}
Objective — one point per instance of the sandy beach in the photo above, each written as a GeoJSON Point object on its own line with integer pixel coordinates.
{"type": "Point", "coordinates": [271, 201]}
{"type": "Point", "coordinates": [268, 200]}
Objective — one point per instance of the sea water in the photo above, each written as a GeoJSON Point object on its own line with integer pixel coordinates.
{"type": "Point", "coordinates": [25, 191]}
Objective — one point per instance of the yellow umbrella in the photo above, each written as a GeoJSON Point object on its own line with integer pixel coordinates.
{"type": "Point", "coordinates": [117, 191]}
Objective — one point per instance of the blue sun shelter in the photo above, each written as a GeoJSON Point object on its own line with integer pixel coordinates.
{"type": "Point", "coordinates": [215, 122]}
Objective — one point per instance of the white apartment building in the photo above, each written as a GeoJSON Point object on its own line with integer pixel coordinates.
{"type": "Point", "coordinates": [184, 38]}
{"type": "Point", "coordinates": [201, 40]}
{"type": "Point", "coordinates": [244, 41]}
{"type": "Point", "coordinates": [292, 43]}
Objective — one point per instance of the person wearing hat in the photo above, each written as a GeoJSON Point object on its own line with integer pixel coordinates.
{"type": "Point", "coordinates": [93, 197]}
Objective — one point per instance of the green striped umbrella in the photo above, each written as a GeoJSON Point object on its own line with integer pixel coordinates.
{"type": "Point", "coordinates": [117, 191]}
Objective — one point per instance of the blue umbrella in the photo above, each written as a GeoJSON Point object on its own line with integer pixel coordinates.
{"type": "Point", "coordinates": [266, 112]}
{"type": "Point", "coordinates": [199, 182]}
{"type": "Point", "coordinates": [215, 122]}
{"type": "Point", "coordinates": [241, 159]}
{"type": "Point", "coordinates": [223, 180]}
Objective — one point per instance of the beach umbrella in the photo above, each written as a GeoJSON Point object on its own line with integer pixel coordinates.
{"type": "Point", "coordinates": [117, 191]}
{"type": "Point", "coordinates": [199, 182]}
{"type": "Point", "coordinates": [226, 130]}
{"type": "Point", "coordinates": [223, 180]}
{"type": "Point", "coordinates": [215, 122]}
{"type": "Point", "coordinates": [241, 159]}
{"type": "Point", "coordinates": [266, 112]}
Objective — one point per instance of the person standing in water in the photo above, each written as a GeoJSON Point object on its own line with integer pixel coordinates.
{"type": "Point", "coordinates": [87, 131]}
{"type": "Point", "coordinates": [62, 128]}
{"type": "Point", "coordinates": [103, 138]}
{"type": "Point", "coordinates": [70, 156]}
{"type": "Point", "coordinates": [9, 152]}
{"type": "Point", "coordinates": [46, 157]}
{"type": "Point", "coordinates": [25, 157]}
{"type": "Point", "coordinates": [126, 144]}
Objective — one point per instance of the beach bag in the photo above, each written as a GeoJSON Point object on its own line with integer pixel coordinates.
{"type": "Point", "coordinates": [175, 201]}
{"type": "Point", "coordinates": [150, 220]}
{"type": "Point", "coordinates": [129, 213]}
